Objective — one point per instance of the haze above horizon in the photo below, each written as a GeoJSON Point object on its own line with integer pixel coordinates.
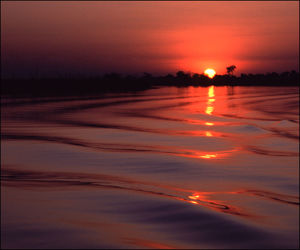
{"type": "Point", "coordinates": [157, 37]}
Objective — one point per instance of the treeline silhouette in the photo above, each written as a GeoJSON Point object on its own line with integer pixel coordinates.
{"type": "Point", "coordinates": [113, 82]}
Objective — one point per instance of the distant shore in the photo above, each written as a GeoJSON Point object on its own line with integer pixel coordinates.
{"type": "Point", "coordinates": [111, 83]}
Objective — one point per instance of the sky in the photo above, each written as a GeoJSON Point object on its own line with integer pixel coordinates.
{"type": "Point", "coordinates": [52, 37]}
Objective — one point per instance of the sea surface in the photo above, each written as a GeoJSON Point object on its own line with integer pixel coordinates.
{"type": "Point", "coordinates": [195, 167]}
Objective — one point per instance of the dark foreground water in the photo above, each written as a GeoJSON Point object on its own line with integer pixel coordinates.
{"type": "Point", "coordinates": [212, 167]}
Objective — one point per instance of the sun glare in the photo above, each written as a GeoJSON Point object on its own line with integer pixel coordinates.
{"type": "Point", "coordinates": [210, 73]}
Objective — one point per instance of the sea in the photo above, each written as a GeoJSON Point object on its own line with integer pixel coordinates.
{"type": "Point", "coordinates": [212, 167]}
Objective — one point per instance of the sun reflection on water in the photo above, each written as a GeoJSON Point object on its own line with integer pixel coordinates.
{"type": "Point", "coordinates": [211, 93]}
{"type": "Point", "coordinates": [208, 134]}
{"type": "Point", "coordinates": [209, 110]}
{"type": "Point", "coordinates": [208, 156]}
{"type": "Point", "coordinates": [205, 199]}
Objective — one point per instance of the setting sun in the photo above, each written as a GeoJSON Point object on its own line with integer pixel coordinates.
{"type": "Point", "coordinates": [210, 73]}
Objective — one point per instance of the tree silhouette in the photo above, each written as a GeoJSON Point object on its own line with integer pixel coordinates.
{"type": "Point", "coordinates": [180, 74]}
{"type": "Point", "coordinates": [230, 69]}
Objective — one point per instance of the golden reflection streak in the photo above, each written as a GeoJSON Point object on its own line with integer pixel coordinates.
{"type": "Point", "coordinates": [211, 93]}
{"type": "Point", "coordinates": [206, 155]}
{"type": "Point", "coordinates": [208, 134]}
{"type": "Point", "coordinates": [205, 133]}
{"type": "Point", "coordinates": [202, 198]}
{"type": "Point", "coordinates": [209, 109]}
{"type": "Point", "coordinates": [205, 199]}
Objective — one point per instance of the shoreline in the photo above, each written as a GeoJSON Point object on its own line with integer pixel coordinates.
{"type": "Point", "coordinates": [116, 83]}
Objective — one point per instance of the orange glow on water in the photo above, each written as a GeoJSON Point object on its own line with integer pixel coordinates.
{"type": "Point", "coordinates": [209, 134]}
{"type": "Point", "coordinates": [193, 197]}
{"type": "Point", "coordinates": [205, 199]}
{"type": "Point", "coordinates": [209, 110]}
{"type": "Point", "coordinates": [211, 93]}
{"type": "Point", "coordinates": [208, 156]}
{"type": "Point", "coordinates": [197, 196]}
{"type": "Point", "coordinates": [209, 123]}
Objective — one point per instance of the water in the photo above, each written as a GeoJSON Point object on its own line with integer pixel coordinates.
{"type": "Point", "coordinates": [212, 167]}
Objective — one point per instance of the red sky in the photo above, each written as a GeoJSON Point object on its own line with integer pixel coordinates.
{"type": "Point", "coordinates": [156, 37]}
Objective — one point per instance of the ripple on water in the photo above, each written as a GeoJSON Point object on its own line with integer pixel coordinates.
{"type": "Point", "coordinates": [167, 168]}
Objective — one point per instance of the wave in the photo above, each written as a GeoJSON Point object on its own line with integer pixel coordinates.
{"type": "Point", "coordinates": [37, 179]}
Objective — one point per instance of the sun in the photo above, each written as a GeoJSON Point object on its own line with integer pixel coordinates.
{"type": "Point", "coordinates": [210, 73]}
